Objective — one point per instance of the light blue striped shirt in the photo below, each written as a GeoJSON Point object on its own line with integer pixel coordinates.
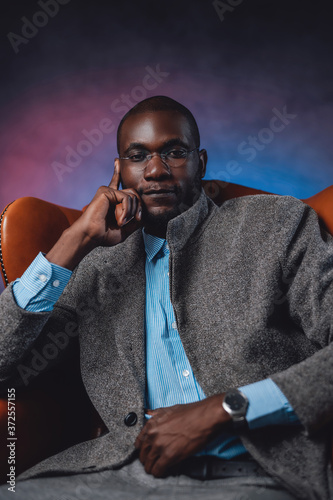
{"type": "Point", "coordinates": [170, 379]}
{"type": "Point", "coordinates": [41, 285]}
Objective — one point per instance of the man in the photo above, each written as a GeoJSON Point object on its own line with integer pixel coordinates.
{"type": "Point", "coordinates": [211, 373]}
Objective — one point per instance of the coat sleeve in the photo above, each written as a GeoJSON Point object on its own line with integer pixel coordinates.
{"type": "Point", "coordinates": [30, 342]}
{"type": "Point", "coordinates": [306, 254]}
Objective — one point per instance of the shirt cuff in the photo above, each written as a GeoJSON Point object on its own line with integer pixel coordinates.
{"type": "Point", "coordinates": [267, 405]}
{"type": "Point", "coordinates": [41, 285]}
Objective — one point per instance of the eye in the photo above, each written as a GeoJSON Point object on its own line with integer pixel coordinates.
{"type": "Point", "coordinates": [177, 153]}
{"type": "Point", "coordinates": [136, 157]}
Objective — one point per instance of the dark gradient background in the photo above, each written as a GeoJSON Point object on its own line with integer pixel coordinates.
{"type": "Point", "coordinates": [75, 71]}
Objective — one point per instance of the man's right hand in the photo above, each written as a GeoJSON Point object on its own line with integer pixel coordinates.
{"type": "Point", "coordinates": [109, 219]}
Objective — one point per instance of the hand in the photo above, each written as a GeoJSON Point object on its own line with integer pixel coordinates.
{"type": "Point", "coordinates": [112, 215]}
{"type": "Point", "coordinates": [109, 219]}
{"type": "Point", "coordinates": [176, 432]}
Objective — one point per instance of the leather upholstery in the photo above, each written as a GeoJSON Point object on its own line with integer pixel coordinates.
{"type": "Point", "coordinates": [29, 225]}
{"type": "Point", "coordinates": [321, 202]}
{"type": "Point", "coordinates": [58, 402]}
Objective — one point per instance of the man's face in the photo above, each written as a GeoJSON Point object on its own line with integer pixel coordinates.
{"type": "Point", "coordinates": [165, 191]}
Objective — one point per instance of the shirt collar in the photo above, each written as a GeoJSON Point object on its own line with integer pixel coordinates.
{"type": "Point", "coordinates": [153, 244]}
{"type": "Point", "coordinates": [181, 228]}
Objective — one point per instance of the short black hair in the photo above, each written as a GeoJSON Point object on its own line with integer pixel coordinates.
{"type": "Point", "coordinates": [161, 103]}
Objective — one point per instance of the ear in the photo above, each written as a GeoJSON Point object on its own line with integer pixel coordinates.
{"type": "Point", "coordinates": [203, 161]}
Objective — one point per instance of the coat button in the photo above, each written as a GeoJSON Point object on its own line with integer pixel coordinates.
{"type": "Point", "coordinates": [131, 419]}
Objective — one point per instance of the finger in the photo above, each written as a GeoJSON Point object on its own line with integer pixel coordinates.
{"type": "Point", "coordinates": [148, 456]}
{"type": "Point", "coordinates": [142, 438]}
{"type": "Point", "coordinates": [126, 213]}
{"type": "Point", "coordinates": [122, 205]}
{"type": "Point", "coordinates": [127, 221]}
{"type": "Point", "coordinates": [143, 446]}
{"type": "Point", "coordinates": [115, 181]}
{"type": "Point", "coordinates": [159, 467]}
{"type": "Point", "coordinates": [150, 462]}
{"type": "Point", "coordinates": [138, 208]}
{"type": "Point", "coordinates": [126, 205]}
{"type": "Point", "coordinates": [139, 440]}
{"type": "Point", "coordinates": [134, 206]}
{"type": "Point", "coordinates": [138, 212]}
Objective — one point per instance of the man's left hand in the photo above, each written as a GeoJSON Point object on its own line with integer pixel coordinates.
{"type": "Point", "coordinates": [176, 432]}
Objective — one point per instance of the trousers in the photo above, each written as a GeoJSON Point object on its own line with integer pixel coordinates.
{"type": "Point", "coordinates": [131, 482]}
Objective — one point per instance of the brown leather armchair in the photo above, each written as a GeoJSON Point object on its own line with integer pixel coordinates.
{"type": "Point", "coordinates": [54, 412]}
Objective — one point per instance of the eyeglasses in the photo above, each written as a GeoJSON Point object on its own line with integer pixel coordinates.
{"type": "Point", "coordinates": [173, 158]}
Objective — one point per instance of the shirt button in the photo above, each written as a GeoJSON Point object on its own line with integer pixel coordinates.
{"type": "Point", "coordinates": [174, 325]}
{"type": "Point", "coordinates": [168, 274]}
{"type": "Point", "coordinates": [42, 277]}
{"type": "Point", "coordinates": [56, 283]}
{"type": "Point", "coordinates": [186, 373]}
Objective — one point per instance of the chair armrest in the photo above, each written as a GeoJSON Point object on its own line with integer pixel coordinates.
{"type": "Point", "coordinates": [51, 415]}
{"type": "Point", "coordinates": [28, 226]}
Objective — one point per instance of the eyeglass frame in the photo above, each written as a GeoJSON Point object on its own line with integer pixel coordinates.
{"type": "Point", "coordinates": [150, 156]}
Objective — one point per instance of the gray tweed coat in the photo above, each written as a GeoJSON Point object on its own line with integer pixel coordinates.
{"type": "Point", "coordinates": [251, 287]}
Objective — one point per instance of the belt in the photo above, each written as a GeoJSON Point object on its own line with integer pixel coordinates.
{"type": "Point", "coordinates": [210, 467]}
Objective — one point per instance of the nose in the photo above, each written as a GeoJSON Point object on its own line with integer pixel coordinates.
{"type": "Point", "coordinates": [156, 168]}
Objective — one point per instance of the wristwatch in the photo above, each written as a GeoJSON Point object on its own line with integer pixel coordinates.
{"type": "Point", "coordinates": [236, 403]}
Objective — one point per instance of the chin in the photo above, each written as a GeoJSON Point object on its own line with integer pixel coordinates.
{"type": "Point", "coordinates": [160, 218]}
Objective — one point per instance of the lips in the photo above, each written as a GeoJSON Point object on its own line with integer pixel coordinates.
{"type": "Point", "coordinates": [159, 192]}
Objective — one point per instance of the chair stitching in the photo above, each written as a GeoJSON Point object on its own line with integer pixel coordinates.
{"type": "Point", "coordinates": [1, 256]}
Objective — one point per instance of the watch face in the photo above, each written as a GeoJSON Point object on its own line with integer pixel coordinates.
{"type": "Point", "coordinates": [235, 401]}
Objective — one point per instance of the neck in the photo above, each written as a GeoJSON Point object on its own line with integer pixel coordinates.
{"type": "Point", "coordinates": [160, 232]}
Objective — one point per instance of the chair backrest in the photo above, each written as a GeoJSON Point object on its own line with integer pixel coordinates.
{"type": "Point", "coordinates": [30, 225]}
{"type": "Point", "coordinates": [322, 202]}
